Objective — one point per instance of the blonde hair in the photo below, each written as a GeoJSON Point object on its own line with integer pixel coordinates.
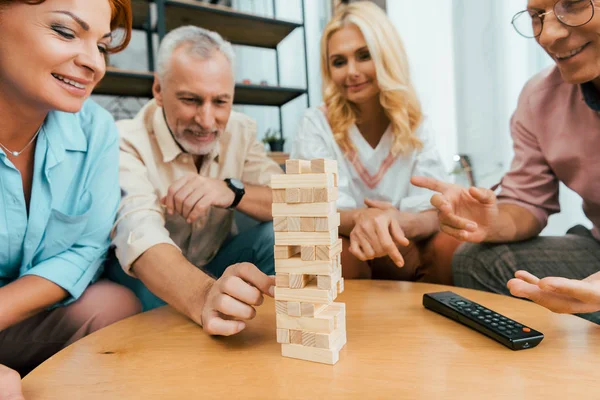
{"type": "Point", "coordinates": [397, 95]}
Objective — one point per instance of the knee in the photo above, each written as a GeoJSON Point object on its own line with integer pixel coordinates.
{"type": "Point", "coordinates": [468, 264]}
{"type": "Point", "coordinates": [105, 303]}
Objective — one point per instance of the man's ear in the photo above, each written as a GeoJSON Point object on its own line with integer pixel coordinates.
{"type": "Point", "coordinates": [157, 91]}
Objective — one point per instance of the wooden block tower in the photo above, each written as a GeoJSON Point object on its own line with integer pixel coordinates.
{"type": "Point", "coordinates": [310, 326]}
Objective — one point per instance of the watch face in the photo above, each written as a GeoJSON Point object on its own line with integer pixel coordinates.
{"type": "Point", "coordinates": [236, 183]}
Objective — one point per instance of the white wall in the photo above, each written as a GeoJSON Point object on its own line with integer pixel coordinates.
{"type": "Point", "coordinates": [431, 55]}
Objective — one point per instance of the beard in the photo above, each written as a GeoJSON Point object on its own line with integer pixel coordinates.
{"type": "Point", "coordinates": [186, 139]}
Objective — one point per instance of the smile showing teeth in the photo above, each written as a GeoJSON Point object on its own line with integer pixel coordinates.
{"type": "Point", "coordinates": [564, 56]}
{"type": "Point", "coordinates": [68, 81]}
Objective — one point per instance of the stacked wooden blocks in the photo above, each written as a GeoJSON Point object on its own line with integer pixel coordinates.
{"type": "Point", "coordinates": [310, 326]}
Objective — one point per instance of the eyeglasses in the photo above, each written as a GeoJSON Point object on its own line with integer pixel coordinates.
{"type": "Point", "coordinates": [569, 12]}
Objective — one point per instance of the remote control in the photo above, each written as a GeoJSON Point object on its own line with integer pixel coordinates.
{"type": "Point", "coordinates": [510, 333]}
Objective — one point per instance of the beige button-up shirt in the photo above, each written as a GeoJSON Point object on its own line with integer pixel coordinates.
{"type": "Point", "coordinates": [151, 161]}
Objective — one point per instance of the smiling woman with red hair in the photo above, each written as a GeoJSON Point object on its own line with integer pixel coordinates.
{"type": "Point", "coordinates": [59, 157]}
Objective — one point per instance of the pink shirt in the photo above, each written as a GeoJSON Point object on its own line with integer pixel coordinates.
{"type": "Point", "coordinates": [556, 139]}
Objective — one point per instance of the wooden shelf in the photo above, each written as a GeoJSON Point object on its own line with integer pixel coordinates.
{"type": "Point", "coordinates": [118, 82]}
{"type": "Point", "coordinates": [235, 26]}
{"type": "Point", "coordinates": [278, 156]}
{"type": "Point", "coordinates": [140, 11]}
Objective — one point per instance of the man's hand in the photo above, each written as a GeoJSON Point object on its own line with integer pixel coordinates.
{"type": "Point", "coordinates": [231, 299]}
{"type": "Point", "coordinates": [10, 384]}
{"type": "Point", "coordinates": [560, 295]}
{"type": "Point", "coordinates": [466, 214]}
{"type": "Point", "coordinates": [378, 232]}
{"type": "Point", "coordinates": [194, 195]}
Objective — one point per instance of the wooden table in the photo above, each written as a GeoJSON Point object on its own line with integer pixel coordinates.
{"type": "Point", "coordinates": [396, 349]}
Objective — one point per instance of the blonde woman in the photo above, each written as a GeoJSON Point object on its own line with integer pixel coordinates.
{"type": "Point", "coordinates": [371, 123]}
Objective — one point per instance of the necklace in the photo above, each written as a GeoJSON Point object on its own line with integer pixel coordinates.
{"type": "Point", "coordinates": [18, 153]}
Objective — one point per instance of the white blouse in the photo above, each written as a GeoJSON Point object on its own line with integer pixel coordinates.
{"type": "Point", "coordinates": [359, 180]}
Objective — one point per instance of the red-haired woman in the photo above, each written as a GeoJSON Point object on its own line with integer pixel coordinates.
{"type": "Point", "coordinates": [59, 157]}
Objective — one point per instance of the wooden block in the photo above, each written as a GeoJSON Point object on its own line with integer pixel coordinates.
{"type": "Point", "coordinates": [315, 354]}
{"type": "Point", "coordinates": [293, 309]}
{"type": "Point", "coordinates": [335, 180]}
{"type": "Point", "coordinates": [283, 335]}
{"type": "Point", "coordinates": [310, 294]}
{"type": "Point", "coordinates": [323, 322]}
{"type": "Point", "coordinates": [293, 224]}
{"type": "Point", "coordinates": [308, 224]}
{"type": "Point", "coordinates": [296, 265]}
{"type": "Point", "coordinates": [281, 307]}
{"type": "Point", "coordinates": [329, 252]}
{"type": "Point", "coordinates": [282, 280]}
{"type": "Point", "coordinates": [329, 281]}
{"type": "Point", "coordinates": [280, 224]}
{"type": "Point", "coordinates": [297, 166]}
{"type": "Point", "coordinates": [311, 309]}
{"type": "Point", "coordinates": [306, 238]}
{"type": "Point", "coordinates": [278, 195]}
{"type": "Point", "coordinates": [340, 286]}
{"type": "Point", "coordinates": [325, 224]}
{"type": "Point", "coordinates": [302, 181]}
{"type": "Point", "coordinates": [298, 281]}
{"type": "Point", "coordinates": [295, 336]}
{"type": "Point", "coordinates": [325, 195]}
{"type": "Point", "coordinates": [309, 339]}
{"type": "Point", "coordinates": [284, 252]}
{"type": "Point", "coordinates": [323, 282]}
{"type": "Point", "coordinates": [321, 165]}
{"type": "Point", "coordinates": [306, 195]}
{"type": "Point", "coordinates": [329, 340]}
{"type": "Point", "coordinates": [307, 253]}
{"type": "Point", "coordinates": [292, 195]}
{"type": "Point", "coordinates": [303, 209]}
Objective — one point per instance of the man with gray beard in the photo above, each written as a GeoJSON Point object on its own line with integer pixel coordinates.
{"type": "Point", "coordinates": [187, 161]}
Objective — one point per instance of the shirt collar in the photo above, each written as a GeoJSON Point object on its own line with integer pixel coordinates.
{"type": "Point", "coordinates": [64, 133]}
{"type": "Point", "coordinates": [166, 142]}
{"type": "Point", "coordinates": [591, 95]}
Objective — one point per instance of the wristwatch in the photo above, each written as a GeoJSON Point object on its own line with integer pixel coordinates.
{"type": "Point", "coordinates": [237, 187]}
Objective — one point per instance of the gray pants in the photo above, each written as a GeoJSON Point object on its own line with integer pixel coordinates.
{"type": "Point", "coordinates": [489, 267]}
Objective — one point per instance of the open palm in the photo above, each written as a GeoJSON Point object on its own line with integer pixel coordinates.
{"type": "Point", "coordinates": [466, 214]}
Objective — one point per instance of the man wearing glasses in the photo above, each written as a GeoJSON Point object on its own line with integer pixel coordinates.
{"type": "Point", "coordinates": [556, 135]}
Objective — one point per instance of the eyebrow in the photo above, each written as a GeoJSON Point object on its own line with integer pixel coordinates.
{"type": "Point", "coordinates": [356, 51]}
{"type": "Point", "coordinates": [81, 22]}
{"type": "Point", "coordinates": [223, 96]}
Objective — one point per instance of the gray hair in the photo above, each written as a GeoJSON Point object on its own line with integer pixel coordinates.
{"type": "Point", "coordinates": [201, 42]}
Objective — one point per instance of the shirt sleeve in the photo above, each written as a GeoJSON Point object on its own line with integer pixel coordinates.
{"type": "Point", "coordinates": [258, 167]}
{"type": "Point", "coordinates": [75, 268]}
{"type": "Point", "coordinates": [429, 164]}
{"type": "Point", "coordinates": [312, 142]}
{"type": "Point", "coordinates": [530, 183]}
{"type": "Point", "coordinates": [140, 221]}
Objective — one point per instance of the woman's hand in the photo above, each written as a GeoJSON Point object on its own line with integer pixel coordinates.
{"type": "Point", "coordinates": [10, 384]}
{"type": "Point", "coordinates": [378, 231]}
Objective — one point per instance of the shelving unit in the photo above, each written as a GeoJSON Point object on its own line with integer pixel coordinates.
{"type": "Point", "coordinates": [237, 27]}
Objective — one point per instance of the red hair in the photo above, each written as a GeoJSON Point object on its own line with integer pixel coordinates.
{"type": "Point", "coordinates": [120, 19]}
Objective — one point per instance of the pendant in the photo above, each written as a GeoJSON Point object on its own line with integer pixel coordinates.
{"type": "Point", "coordinates": [15, 153]}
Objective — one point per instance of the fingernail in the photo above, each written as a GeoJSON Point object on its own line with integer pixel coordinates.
{"type": "Point", "coordinates": [170, 211]}
{"type": "Point", "coordinates": [272, 291]}
{"type": "Point", "coordinates": [471, 226]}
{"type": "Point", "coordinates": [189, 221]}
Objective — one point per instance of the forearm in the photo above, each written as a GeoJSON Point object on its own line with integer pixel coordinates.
{"type": "Point", "coordinates": [348, 220]}
{"type": "Point", "coordinates": [513, 224]}
{"type": "Point", "coordinates": [171, 277]}
{"type": "Point", "coordinates": [26, 297]}
{"type": "Point", "coordinates": [256, 203]}
{"type": "Point", "coordinates": [421, 225]}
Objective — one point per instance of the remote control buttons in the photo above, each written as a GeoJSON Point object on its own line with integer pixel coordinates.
{"type": "Point", "coordinates": [526, 330]}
